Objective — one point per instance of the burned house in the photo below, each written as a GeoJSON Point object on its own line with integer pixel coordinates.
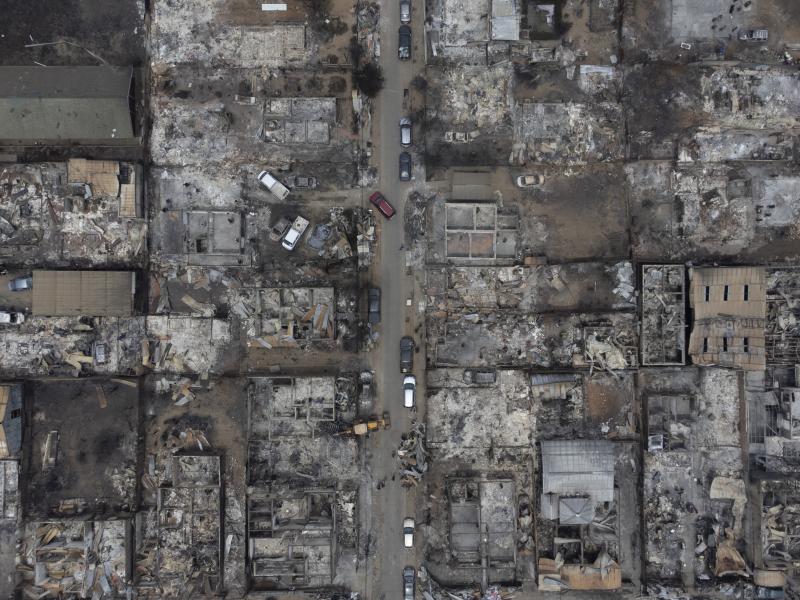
{"type": "Point", "coordinates": [663, 328]}
{"type": "Point", "coordinates": [81, 463]}
{"type": "Point", "coordinates": [11, 427]}
{"type": "Point", "coordinates": [179, 541]}
{"type": "Point", "coordinates": [478, 455]}
{"type": "Point", "coordinates": [295, 316]}
{"type": "Point", "coordinates": [82, 213]}
{"type": "Point", "coordinates": [292, 537]}
{"type": "Point", "coordinates": [729, 310]}
{"type": "Point", "coordinates": [480, 233]}
{"type": "Point", "coordinates": [579, 509]}
{"type": "Point", "coordinates": [77, 559]}
{"type": "Point", "coordinates": [483, 527]}
{"type": "Point", "coordinates": [301, 499]}
{"type": "Point", "coordinates": [523, 316]}
{"type": "Point", "coordinates": [777, 556]}
{"type": "Point", "coordinates": [773, 420]}
{"type": "Point", "coordinates": [203, 237]}
{"type": "Point", "coordinates": [695, 500]}
{"type": "Point", "coordinates": [783, 316]}
{"type": "Point", "coordinates": [183, 344]}
{"type": "Point", "coordinates": [292, 419]}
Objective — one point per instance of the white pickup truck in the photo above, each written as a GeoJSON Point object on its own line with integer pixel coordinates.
{"type": "Point", "coordinates": [278, 190]}
{"type": "Point", "coordinates": [295, 233]}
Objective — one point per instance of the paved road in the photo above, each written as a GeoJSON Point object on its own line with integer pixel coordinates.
{"type": "Point", "coordinates": [391, 504]}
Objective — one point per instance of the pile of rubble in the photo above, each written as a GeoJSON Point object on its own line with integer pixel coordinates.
{"type": "Point", "coordinates": [75, 559]}
{"type": "Point", "coordinates": [431, 590]}
{"type": "Point", "coordinates": [365, 237]}
{"type": "Point", "coordinates": [412, 455]}
{"type": "Point", "coordinates": [331, 240]}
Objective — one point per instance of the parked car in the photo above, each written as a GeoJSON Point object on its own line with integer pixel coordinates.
{"type": "Point", "coordinates": [278, 190]}
{"type": "Point", "coordinates": [374, 297]}
{"type": "Point", "coordinates": [382, 204]}
{"type": "Point", "coordinates": [365, 399]}
{"type": "Point", "coordinates": [526, 181]}
{"type": "Point", "coordinates": [11, 318]}
{"type": "Point", "coordinates": [20, 284]}
{"type": "Point", "coordinates": [409, 583]}
{"type": "Point", "coordinates": [408, 532]}
{"type": "Point", "coordinates": [405, 166]}
{"type": "Point", "coordinates": [404, 45]}
{"type": "Point", "coordinates": [295, 233]}
{"type": "Point", "coordinates": [301, 182]}
{"type": "Point", "coordinates": [406, 354]}
{"type": "Point", "coordinates": [409, 391]}
{"type": "Point", "coordinates": [754, 35]}
{"type": "Point", "coordinates": [405, 11]}
{"type": "Point", "coordinates": [405, 131]}
{"type": "Point", "coordinates": [278, 230]}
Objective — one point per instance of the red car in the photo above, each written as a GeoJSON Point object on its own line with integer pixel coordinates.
{"type": "Point", "coordinates": [382, 204]}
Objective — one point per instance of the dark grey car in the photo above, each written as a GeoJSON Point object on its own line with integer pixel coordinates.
{"type": "Point", "coordinates": [405, 166]}
{"type": "Point", "coordinates": [374, 297]}
{"type": "Point", "coordinates": [404, 45]}
{"type": "Point", "coordinates": [20, 284]}
{"type": "Point", "coordinates": [406, 354]}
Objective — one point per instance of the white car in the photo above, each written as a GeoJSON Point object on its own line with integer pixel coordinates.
{"type": "Point", "coordinates": [526, 181]}
{"type": "Point", "coordinates": [294, 234]}
{"type": "Point", "coordinates": [409, 390]}
{"type": "Point", "coordinates": [11, 318]}
{"type": "Point", "coordinates": [278, 190]}
{"type": "Point", "coordinates": [408, 532]}
{"type": "Point", "coordinates": [405, 132]}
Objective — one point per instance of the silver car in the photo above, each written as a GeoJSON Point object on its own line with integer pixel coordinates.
{"type": "Point", "coordinates": [405, 11]}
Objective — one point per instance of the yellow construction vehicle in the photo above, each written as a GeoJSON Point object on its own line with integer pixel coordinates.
{"type": "Point", "coordinates": [363, 428]}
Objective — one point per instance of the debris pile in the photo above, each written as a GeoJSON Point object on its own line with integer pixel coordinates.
{"type": "Point", "coordinates": [663, 314]}
{"type": "Point", "coordinates": [432, 590]}
{"type": "Point", "coordinates": [365, 237]}
{"type": "Point", "coordinates": [75, 559]}
{"type": "Point", "coordinates": [412, 455]}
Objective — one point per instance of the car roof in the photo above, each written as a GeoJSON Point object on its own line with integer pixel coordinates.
{"type": "Point", "coordinates": [405, 29]}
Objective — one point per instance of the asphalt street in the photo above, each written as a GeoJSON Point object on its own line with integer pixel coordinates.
{"type": "Point", "coordinates": [390, 502]}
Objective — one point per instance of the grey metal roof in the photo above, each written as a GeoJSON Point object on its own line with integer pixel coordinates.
{"type": "Point", "coordinates": [575, 511]}
{"type": "Point", "coordinates": [575, 467]}
{"type": "Point", "coordinates": [65, 103]}
{"type": "Point", "coordinates": [65, 82]}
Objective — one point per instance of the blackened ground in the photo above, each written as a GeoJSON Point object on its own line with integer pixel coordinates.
{"type": "Point", "coordinates": [111, 30]}
{"type": "Point", "coordinates": [96, 445]}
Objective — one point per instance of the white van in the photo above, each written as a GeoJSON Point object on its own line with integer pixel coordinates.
{"type": "Point", "coordinates": [408, 532]}
{"type": "Point", "coordinates": [409, 389]}
{"type": "Point", "coordinates": [278, 190]}
{"type": "Point", "coordinates": [295, 233]}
